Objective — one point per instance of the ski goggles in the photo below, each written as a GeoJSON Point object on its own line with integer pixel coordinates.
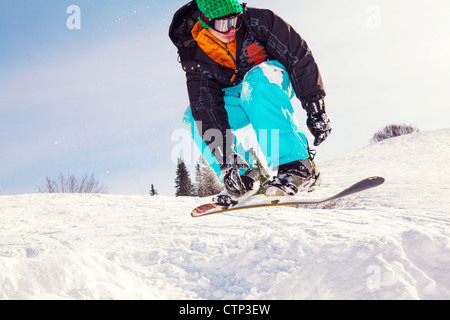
{"type": "Point", "coordinates": [225, 24]}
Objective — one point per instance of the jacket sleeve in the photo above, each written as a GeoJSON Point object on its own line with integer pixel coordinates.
{"type": "Point", "coordinates": [208, 110]}
{"type": "Point", "coordinates": [284, 44]}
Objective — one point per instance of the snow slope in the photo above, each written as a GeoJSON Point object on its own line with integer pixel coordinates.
{"type": "Point", "coordinates": [393, 242]}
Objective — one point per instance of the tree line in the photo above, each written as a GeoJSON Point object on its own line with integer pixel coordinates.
{"type": "Point", "coordinates": [206, 181]}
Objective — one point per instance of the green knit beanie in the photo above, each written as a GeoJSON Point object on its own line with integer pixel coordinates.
{"type": "Point", "coordinates": [214, 9]}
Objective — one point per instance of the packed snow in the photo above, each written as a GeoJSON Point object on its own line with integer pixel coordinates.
{"type": "Point", "coordinates": [390, 242]}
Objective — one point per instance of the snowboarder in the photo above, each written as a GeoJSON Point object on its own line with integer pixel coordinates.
{"type": "Point", "coordinates": [243, 66]}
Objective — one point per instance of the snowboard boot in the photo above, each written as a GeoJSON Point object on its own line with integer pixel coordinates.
{"type": "Point", "coordinates": [253, 182]}
{"type": "Point", "coordinates": [300, 175]}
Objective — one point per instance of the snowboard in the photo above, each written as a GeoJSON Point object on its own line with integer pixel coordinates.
{"type": "Point", "coordinates": [263, 201]}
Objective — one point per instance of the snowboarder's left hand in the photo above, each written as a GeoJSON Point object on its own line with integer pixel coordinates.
{"type": "Point", "coordinates": [318, 122]}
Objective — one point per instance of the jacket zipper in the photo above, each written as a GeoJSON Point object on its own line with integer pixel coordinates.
{"type": "Point", "coordinates": [236, 71]}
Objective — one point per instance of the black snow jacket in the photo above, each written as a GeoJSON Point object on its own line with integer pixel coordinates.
{"type": "Point", "coordinates": [263, 36]}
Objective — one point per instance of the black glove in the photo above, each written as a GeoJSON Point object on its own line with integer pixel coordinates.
{"type": "Point", "coordinates": [317, 122]}
{"type": "Point", "coordinates": [230, 173]}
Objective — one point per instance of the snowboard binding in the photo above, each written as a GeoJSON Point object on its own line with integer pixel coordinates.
{"type": "Point", "coordinates": [255, 179]}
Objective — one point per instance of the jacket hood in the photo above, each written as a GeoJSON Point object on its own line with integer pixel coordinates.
{"type": "Point", "coordinates": [183, 22]}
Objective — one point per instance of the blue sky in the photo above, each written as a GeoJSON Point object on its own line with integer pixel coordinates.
{"type": "Point", "coordinates": [108, 98]}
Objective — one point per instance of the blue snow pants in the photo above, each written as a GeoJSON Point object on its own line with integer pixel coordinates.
{"type": "Point", "coordinates": [262, 100]}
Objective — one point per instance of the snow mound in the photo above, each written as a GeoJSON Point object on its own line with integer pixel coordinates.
{"type": "Point", "coordinates": [391, 242]}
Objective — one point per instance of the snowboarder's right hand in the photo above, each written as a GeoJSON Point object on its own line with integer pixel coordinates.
{"type": "Point", "coordinates": [230, 174]}
{"type": "Point", "coordinates": [320, 127]}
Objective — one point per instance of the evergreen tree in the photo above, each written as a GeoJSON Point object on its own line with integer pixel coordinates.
{"type": "Point", "coordinates": [183, 184]}
{"type": "Point", "coordinates": [199, 186]}
{"type": "Point", "coordinates": [206, 179]}
{"type": "Point", "coordinates": [153, 191]}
